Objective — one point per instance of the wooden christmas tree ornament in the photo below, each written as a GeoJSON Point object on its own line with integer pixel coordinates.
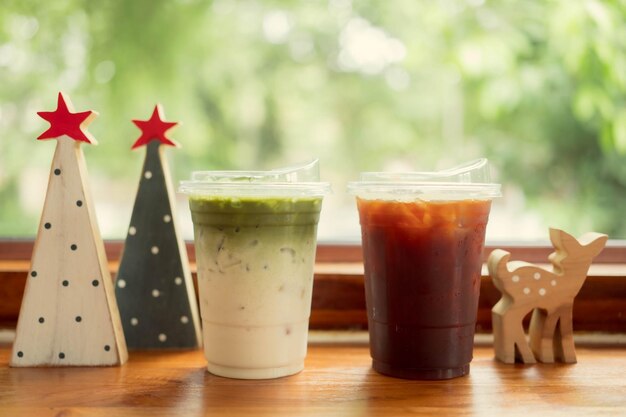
{"type": "Point", "coordinates": [69, 316]}
{"type": "Point", "coordinates": [154, 288]}
{"type": "Point", "coordinates": [548, 293]}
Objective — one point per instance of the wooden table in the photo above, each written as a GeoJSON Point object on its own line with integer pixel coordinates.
{"type": "Point", "coordinates": [337, 381]}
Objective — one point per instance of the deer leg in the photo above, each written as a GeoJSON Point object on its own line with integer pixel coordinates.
{"type": "Point", "coordinates": [524, 352]}
{"type": "Point", "coordinates": [508, 333]}
{"type": "Point", "coordinates": [504, 347]}
{"type": "Point", "coordinates": [564, 337]}
{"type": "Point", "coordinates": [542, 330]}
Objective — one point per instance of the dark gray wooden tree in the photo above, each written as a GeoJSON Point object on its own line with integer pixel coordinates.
{"type": "Point", "coordinates": [154, 289]}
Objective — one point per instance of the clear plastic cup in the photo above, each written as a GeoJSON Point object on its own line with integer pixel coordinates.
{"type": "Point", "coordinates": [255, 237]}
{"type": "Point", "coordinates": [423, 235]}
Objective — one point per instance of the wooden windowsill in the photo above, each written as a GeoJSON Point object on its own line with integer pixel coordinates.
{"type": "Point", "coordinates": [339, 297]}
{"type": "Point", "coordinates": [337, 381]}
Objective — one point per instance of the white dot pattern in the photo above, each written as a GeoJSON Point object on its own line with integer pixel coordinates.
{"type": "Point", "coordinates": [537, 275]}
{"type": "Point", "coordinates": [121, 283]}
{"type": "Point", "coordinates": [526, 290]}
{"type": "Point", "coordinates": [553, 282]}
{"type": "Point", "coordinates": [515, 278]}
{"type": "Point", "coordinates": [542, 291]}
{"type": "Point", "coordinates": [164, 281]}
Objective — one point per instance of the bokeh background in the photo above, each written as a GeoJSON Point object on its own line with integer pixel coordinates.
{"type": "Point", "coordinates": [537, 86]}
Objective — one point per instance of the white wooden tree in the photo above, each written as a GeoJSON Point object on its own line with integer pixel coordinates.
{"type": "Point", "coordinates": [69, 316]}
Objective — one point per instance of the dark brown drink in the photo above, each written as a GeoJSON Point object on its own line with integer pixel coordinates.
{"type": "Point", "coordinates": [422, 280]}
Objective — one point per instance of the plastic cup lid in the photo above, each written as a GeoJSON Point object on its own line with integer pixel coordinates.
{"type": "Point", "coordinates": [471, 180]}
{"type": "Point", "coordinates": [294, 181]}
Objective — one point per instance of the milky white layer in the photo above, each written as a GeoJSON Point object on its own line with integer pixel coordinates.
{"type": "Point", "coordinates": [255, 288]}
{"type": "Point", "coordinates": [255, 352]}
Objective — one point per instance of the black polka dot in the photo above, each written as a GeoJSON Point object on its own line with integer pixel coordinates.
{"type": "Point", "coordinates": [20, 354]}
{"type": "Point", "coordinates": [73, 247]}
{"type": "Point", "coordinates": [57, 171]}
{"type": "Point", "coordinates": [41, 320]}
{"type": "Point", "coordinates": [47, 225]}
{"type": "Point", "coordinates": [65, 283]}
{"type": "Point", "coordinates": [79, 319]}
{"type": "Point", "coordinates": [61, 355]}
{"type": "Point", "coordinates": [95, 283]}
{"type": "Point", "coordinates": [79, 203]}
{"type": "Point", "coordinates": [107, 347]}
{"type": "Point", "coordinates": [33, 274]}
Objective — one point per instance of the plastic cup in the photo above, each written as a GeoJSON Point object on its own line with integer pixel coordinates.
{"type": "Point", "coordinates": [255, 238]}
{"type": "Point", "coordinates": [423, 236]}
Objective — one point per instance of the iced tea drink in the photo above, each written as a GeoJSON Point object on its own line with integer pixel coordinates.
{"type": "Point", "coordinates": [422, 250]}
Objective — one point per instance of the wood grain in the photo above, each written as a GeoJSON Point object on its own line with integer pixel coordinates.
{"type": "Point", "coordinates": [337, 381]}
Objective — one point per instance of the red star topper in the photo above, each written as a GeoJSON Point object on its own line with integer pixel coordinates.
{"type": "Point", "coordinates": [154, 128]}
{"type": "Point", "coordinates": [64, 121]}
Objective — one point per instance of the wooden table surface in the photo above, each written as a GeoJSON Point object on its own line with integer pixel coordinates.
{"type": "Point", "coordinates": [337, 381]}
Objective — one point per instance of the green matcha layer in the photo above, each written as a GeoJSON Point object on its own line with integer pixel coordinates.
{"type": "Point", "coordinates": [254, 211]}
{"type": "Point", "coordinates": [255, 261]}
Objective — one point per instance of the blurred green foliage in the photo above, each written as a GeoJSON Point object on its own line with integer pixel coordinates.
{"type": "Point", "coordinates": [538, 86]}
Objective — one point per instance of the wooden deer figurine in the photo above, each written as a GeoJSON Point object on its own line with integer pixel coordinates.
{"type": "Point", "coordinates": [549, 293]}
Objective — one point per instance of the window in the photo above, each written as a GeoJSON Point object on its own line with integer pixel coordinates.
{"type": "Point", "coordinates": [535, 86]}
